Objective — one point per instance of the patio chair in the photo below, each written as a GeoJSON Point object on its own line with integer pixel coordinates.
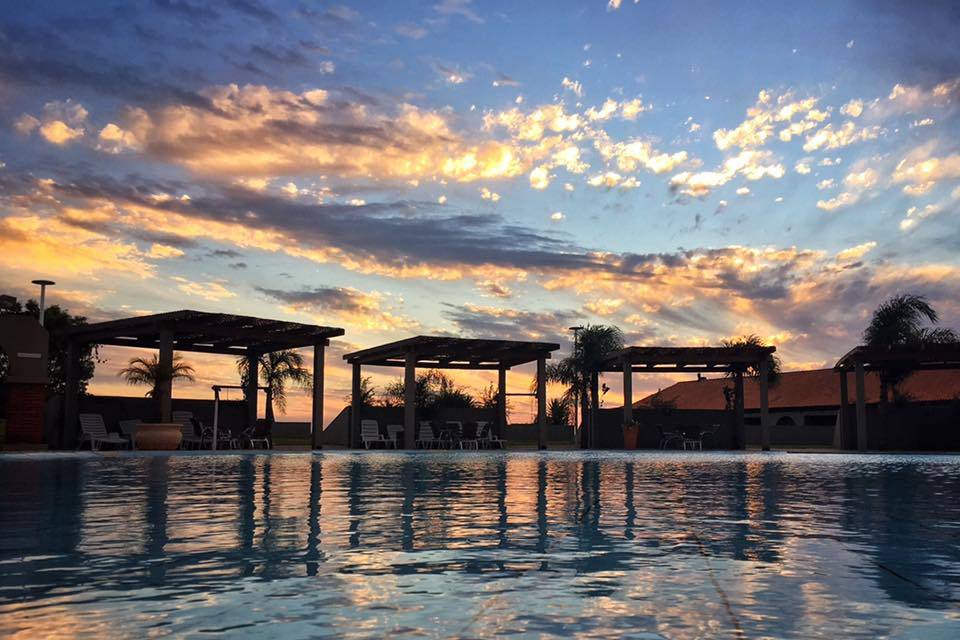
{"type": "Point", "coordinates": [258, 434]}
{"type": "Point", "coordinates": [468, 438]}
{"type": "Point", "coordinates": [426, 439]}
{"type": "Point", "coordinates": [666, 437]}
{"type": "Point", "coordinates": [454, 434]}
{"type": "Point", "coordinates": [395, 433]}
{"type": "Point", "coordinates": [191, 438]}
{"type": "Point", "coordinates": [94, 431]}
{"type": "Point", "coordinates": [370, 434]}
{"type": "Point", "coordinates": [128, 429]}
{"type": "Point", "coordinates": [486, 438]}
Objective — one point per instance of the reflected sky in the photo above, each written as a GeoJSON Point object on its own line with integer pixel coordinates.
{"type": "Point", "coordinates": [478, 545]}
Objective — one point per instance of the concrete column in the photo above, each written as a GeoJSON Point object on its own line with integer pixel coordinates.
{"type": "Point", "coordinates": [627, 392]}
{"type": "Point", "coordinates": [252, 391]}
{"type": "Point", "coordinates": [316, 415]}
{"type": "Point", "coordinates": [356, 407]}
{"type": "Point", "coordinates": [861, 408]}
{"type": "Point", "coordinates": [165, 387]}
{"type": "Point", "coordinates": [765, 404]}
{"type": "Point", "coordinates": [542, 403]}
{"type": "Point", "coordinates": [71, 399]}
{"type": "Point", "coordinates": [502, 401]}
{"type": "Point", "coordinates": [739, 427]}
{"type": "Point", "coordinates": [410, 401]}
{"type": "Point", "coordinates": [839, 433]}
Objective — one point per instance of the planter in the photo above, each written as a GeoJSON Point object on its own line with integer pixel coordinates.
{"type": "Point", "coordinates": [3, 432]}
{"type": "Point", "coordinates": [157, 436]}
{"type": "Point", "coordinates": [631, 434]}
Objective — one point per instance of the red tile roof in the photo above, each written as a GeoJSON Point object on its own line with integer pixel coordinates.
{"type": "Point", "coordinates": [818, 388]}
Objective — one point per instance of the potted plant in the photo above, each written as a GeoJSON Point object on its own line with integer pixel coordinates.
{"type": "Point", "coordinates": [631, 434]}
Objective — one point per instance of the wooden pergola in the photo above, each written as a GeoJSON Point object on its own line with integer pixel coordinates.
{"type": "Point", "coordinates": [200, 332]}
{"type": "Point", "coordinates": [863, 358]}
{"type": "Point", "coordinates": [730, 360]}
{"type": "Point", "coordinates": [438, 352]}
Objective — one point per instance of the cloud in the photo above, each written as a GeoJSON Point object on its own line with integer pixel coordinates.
{"type": "Point", "coordinates": [751, 164]}
{"type": "Point", "coordinates": [852, 109]}
{"type": "Point", "coordinates": [857, 183]}
{"type": "Point", "coordinates": [474, 320]}
{"type": "Point", "coordinates": [503, 80]}
{"type": "Point", "coordinates": [254, 131]}
{"type": "Point", "coordinates": [573, 86]}
{"type": "Point", "coordinates": [635, 153]}
{"type": "Point", "coordinates": [345, 303]}
{"type": "Point", "coordinates": [458, 8]}
{"type": "Point", "coordinates": [915, 214]}
{"type": "Point", "coordinates": [411, 30]}
{"type": "Point", "coordinates": [920, 168]}
{"type": "Point", "coordinates": [539, 178]}
{"type": "Point", "coordinates": [214, 291]}
{"type": "Point", "coordinates": [762, 118]}
{"type": "Point", "coordinates": [847, 134]}
{"type": "Point", "coordinates": [60, 124]}
{"type": "Point", "coordinates": [855, 253]}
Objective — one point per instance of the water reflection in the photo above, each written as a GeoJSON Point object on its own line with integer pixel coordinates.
{"type": "Point", "coordinates": [479, 544]}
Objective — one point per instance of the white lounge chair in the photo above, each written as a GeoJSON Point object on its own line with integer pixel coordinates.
{"type": "Point", "coordinates": [128, 429]}
{"type": "Point", "coordinates": [94, 431]}
{"type": "Point", "coordinates": [426, 438]}
{"type": "Point", "coordinates": [190, 438]}
{"type": "Point", "coordinates": [395, 434]}
{"type": "Point", "coordinates": [487, 438]}
{"type": "Point", "coordinates": [370, 434]}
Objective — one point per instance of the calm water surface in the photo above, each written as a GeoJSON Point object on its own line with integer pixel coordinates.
{"type": "Point", "coordinates": [348, 545]}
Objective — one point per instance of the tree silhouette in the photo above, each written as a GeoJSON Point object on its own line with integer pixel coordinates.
{"type": "Point", "coordinates": [149, 372]}
{"type": "Point", "coordinates": [276, 370]}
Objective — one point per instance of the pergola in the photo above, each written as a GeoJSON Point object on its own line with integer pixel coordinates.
{"type": "Point", "coordinates": [437, 352]}
{"type": "Point", "coordinates": [731, 360]}
{"type": "Point", "coordinates": [201, 332]}
{"type": "Point", "coordinates": [863, 358]}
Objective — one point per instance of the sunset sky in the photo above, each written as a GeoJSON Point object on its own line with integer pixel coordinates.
{"type": "Point", "coordinates": [687, 171]}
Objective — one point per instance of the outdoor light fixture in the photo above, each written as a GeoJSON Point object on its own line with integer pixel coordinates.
{"type": "Point", "coordinates": [43, 295]}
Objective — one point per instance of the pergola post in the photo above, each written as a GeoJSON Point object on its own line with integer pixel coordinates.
{"type": "Point", "coordinates": [843, 416]}
{"type": "Point", "coordinates": [861, 407]}
{"type": "Point", "coordinates": [316, 414]}
{"type": "Point", "coordinates": [502, 401]}
{"type": "Point", "coordinates": [356, 405]}
{"type": "Point", "coordinates": [253, 376]}
{"type": "Point", "coordinates": [764, 405]}
{"type": "Point", "coordinates": [410, 400]}
{"type": "Point", "coordinates": [165, 386]}
{"type": "Point", "coordinates": [593, 434]}
{"type": "Point", "coordinates": [627, 392]}
{"type": "Point", "coordinates": [542, 402]}
{"type": "Point", "coordinates": [71, 397]}
{"type": "Point", "coordinates": [739, 427]}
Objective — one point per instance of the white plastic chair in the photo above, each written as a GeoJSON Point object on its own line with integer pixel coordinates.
{"type": "Point", "coordinates": [394, 433]}
{"type": "Point", "coordinates": [128, 429]}
{"type": "Point", "coordinates": [370, 434]}
{"type": "Point", "coordinates": [190, 437]}
{"type": "Point", "coordinates": [95, 432]}
{"type": "Point", "coordinates": [426, 439]}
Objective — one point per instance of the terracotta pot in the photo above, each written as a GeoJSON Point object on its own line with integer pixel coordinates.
{"type": "Point", "coordinates": [631, 434]}
{"type": "Point", "coordinates": [158, 436]}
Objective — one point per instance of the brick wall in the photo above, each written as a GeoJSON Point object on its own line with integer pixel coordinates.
{"type": "Point", "coordinates": [25, 404]}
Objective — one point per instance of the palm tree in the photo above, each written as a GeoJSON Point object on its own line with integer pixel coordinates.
{"type": "Point", "coordinates": [753, 340]}
{"type": "Point", "coordinates": [276, 369]}
{"type": "Point", "coordinates": [580, 371]}
{"type": "Point", "coordinates": [899, 322]}
{"type": "Point", "coordinates": [149, 372]}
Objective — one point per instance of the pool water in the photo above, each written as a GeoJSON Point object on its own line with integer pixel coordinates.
{"type": "Point", "coordinates": [431, 544]}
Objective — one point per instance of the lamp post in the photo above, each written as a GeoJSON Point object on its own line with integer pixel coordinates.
{"type": "Point", "coordinates": [43, 295]}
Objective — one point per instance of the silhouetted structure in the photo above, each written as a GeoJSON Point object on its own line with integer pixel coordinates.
{"type": "Point", "coordinates": [732, 360]}
{"type": "Point", "coordinates": [907, 358]}
{"type": "Point", "coordinates": [198, 331]}
{"type": "Point", "coordinates": [437, 352]}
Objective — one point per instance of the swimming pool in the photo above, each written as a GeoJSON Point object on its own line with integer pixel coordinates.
{"type": "Point", "coordinates": [433, 544]}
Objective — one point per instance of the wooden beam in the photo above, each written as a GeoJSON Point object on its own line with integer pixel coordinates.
{"type": "Point", "coordinates": [253, 386]}
{"type": "Point", "coordinates": [627, 393]}
{"type": "Point", "coordinates": [861, 407]}
{"type": "Point", "coordinates": [502, 401]}
{"type": "Point", "coordinates": [356, 406]}
{"type": "Point", "coordinates": [71, 397]}
{"type": "Point", "coordinates": [542, 403]}
{"type": "Point", "coordinates": [165, 387]}
{"type": "Point", "coordinates": [843, 417]}
{"type": "Point", "coordinates": [740, 428]}
{"type": "Point", "coordinates": [316, 414]}
{"type": "Point", "coordinates": [410, 402]}
{"type": "Point", "coordinates": [765, 405]}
